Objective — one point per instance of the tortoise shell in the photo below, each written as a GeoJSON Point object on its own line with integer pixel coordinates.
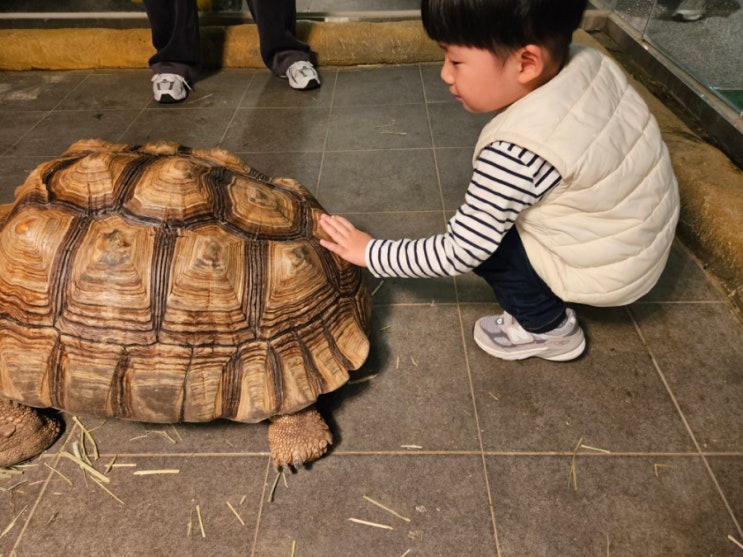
{"type": "Point", "coordinates": [164, 284]}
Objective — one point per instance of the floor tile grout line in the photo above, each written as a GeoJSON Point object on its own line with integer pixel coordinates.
{"type": "Point", "coordinates": [132, 122]}
{"type": "Point", "coordinates": [681, 414]}
{"type": "Point", "coordinates": [55, 459]}
{"type": "Point", "coordinates": [476, 415]}
{"type": "Point", "coordinates": [414, 453]}
{"type": "Point", "coordinates": [710, 278]}
{"type": "Point", "coordinates": [47, 113]}
{"type": "Point", "coordinates": [462, 334]}
{"type": "Point", "coordinates": [235, 111]}
{"type": "Point", "coordinates": [261, 504]}
{"type": "Point", "coordinates": [327, 134]}
{"type": "Point", "coordinates": [32, 512]}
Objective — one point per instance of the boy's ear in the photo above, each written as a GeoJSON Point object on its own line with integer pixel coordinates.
{"type": "Point", "coordinates": [533, 62]}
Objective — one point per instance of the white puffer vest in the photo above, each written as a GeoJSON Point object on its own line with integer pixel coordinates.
{"type": "Point", "coordinates": [602, 236]}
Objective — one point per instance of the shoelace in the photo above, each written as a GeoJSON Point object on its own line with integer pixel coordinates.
{"type": "Point", "coordinates": [170, 80]}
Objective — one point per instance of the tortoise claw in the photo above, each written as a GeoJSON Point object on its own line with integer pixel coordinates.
{"type": "Point", "coordinates": [296, 439]}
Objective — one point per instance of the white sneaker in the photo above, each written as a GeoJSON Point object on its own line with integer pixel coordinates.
{"type": "Point", "coordinates": [169, 88]}
{"type": "Point", "coordinates": [302, 76]}
{"type": "Point", "coordinates": [690, 10]}
{"type": "Point", "coordinates": [503, 337]}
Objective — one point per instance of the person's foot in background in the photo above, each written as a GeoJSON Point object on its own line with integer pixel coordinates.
{"type": "Point", "coordinates": [169, 88]}
{"type": "Point", "coordinates": [690, 10]}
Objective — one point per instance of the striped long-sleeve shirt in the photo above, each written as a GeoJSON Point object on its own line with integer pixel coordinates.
{"type": "Point", "coordinates": [506, 180]}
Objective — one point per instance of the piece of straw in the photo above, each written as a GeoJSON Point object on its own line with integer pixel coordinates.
{"type": "Point", "coordinates": [235, 512]}
{"type": "Point", "coordinates": [201, 524]}
{"type": "Point", "coordinates": [658, 466]}
{"type": "Point", "coordinates": [80, 454]}
{"type": "Point", "coordinates": [273, 487]}
{"type": "Point", "coordinates": [590, 448]}
{"type": "Point", "coordinates": [7, 472]}
{"type": "Point", "coordinates": [362, 379]}
{"type": "Point", "coordinates": [104, 488]}
{"type": "Point", "coordinates": [572, 477]}
{"type": "Point", "coordinates": [153, 472]}
{"type": "Point", "coordinates": [85, 434]}
{"type": "Point", "coordinates": [165, 434]}
{"type": "Point", "coordinates": [9, 527]}
{"type": "Point", "coordinates": [88, 468]}
{"type": "Point", "coordinates": [12, 487]}
{"type": "Point", "coordinates": [110, 465]}
{"type": "Point", "coordinates": [731, 538]}
{"type": "Point", "coordinates": [381, 506]}
{"type": "Point", "coordinates": [374, 524]}
{"type": "Point", "coordinates": [61, 475]}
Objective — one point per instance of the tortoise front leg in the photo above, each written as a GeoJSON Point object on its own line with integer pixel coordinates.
{"type": "Point", "coordinates": [24, 432]}
{"type": "Point", "coordinates": [295, 439]}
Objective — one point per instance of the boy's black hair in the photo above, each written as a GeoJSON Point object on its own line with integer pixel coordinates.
{"type": "Point", "coordinates": [504, 26]}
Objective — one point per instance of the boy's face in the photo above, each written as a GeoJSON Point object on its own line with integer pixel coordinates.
{"type": "Point", "coordinates": [479, 80]}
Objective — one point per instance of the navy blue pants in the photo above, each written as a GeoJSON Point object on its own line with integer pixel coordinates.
{"type": "Point", "coordinates": [175, 35]}
{"type": "Point", "coordinates": [518, 288]}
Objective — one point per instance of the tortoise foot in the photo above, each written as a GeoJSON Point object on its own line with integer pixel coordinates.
{"type": "Point", "coordinates": [24, 432]}
{"type": "Point", "coordinates": [296, 439]}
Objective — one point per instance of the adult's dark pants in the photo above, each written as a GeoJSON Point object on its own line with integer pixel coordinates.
{"type": "Point", "coordinates": [518, 287]}
{"type": "Point", "coordinates": [175, 35]}
{"type": "Point", "coordinates": [276, 22]}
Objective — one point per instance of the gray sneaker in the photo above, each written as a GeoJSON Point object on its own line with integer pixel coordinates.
{"type": "Point", "coordinates": [502, 336]}
{"type": "Point", "coordinates": [169, 88]}
{"type": "Point", "coordinates": [690, 10]}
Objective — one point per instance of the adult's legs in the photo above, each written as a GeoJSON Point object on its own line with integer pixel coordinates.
{"type": "Point", "coordinates": [519, 289]}
{"type": "Point", "coordinates": [276, 22]}
{"type": "Point", "coordinates": [175, 36]}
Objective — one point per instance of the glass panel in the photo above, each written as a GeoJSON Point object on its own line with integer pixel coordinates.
{"type": "Point", "coordinates": [635, 12]}
{"type": "Point", "coordinates": [705, 38]}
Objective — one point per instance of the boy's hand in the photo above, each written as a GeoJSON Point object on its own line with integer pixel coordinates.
{"type": "Point", "coordinates": [347, 241]}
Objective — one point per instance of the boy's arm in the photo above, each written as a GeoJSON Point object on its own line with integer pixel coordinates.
{"type": "Point", "coordinates": [347, 241]}
{"type": "Point", "coordinates": [506, 180]}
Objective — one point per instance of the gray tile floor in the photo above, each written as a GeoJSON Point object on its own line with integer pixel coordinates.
{"type": "Point", "coordinates": [636, 449]}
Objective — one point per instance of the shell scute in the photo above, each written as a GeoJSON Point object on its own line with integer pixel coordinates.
{"type": "Point", "coordinates": [296, 289]}
{"type": "Point", "coordinates": [207, 290]}
{"type": "Point", "coordinates": [108, 292]}
{"type": "Point", "coordinates": [90, 182]}
{"type": "Point", "coordinates": [263, 210]}
{"type": "Point", "coordinates": [26, 357]}
{"type": "Point", "coordinates": [31, 245]}
{"type": "Point", "coordinates": [171, 189]}
{"type": "Point", "coordinates": [86, 376]}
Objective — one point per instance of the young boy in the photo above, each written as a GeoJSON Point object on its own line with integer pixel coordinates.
{"type": "Point", "coordinates": [572, 197]}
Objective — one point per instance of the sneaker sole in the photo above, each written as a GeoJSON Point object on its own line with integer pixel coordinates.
{"type": "Point", "coordinates": [544, 352]}
{"type": "Point", "coordinates": [167, 99]}
{"type": "Point", "coordinates": [313, 84]}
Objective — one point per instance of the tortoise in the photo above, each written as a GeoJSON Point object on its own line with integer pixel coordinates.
{"type": "Point", "coordinates": [165, 284]}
